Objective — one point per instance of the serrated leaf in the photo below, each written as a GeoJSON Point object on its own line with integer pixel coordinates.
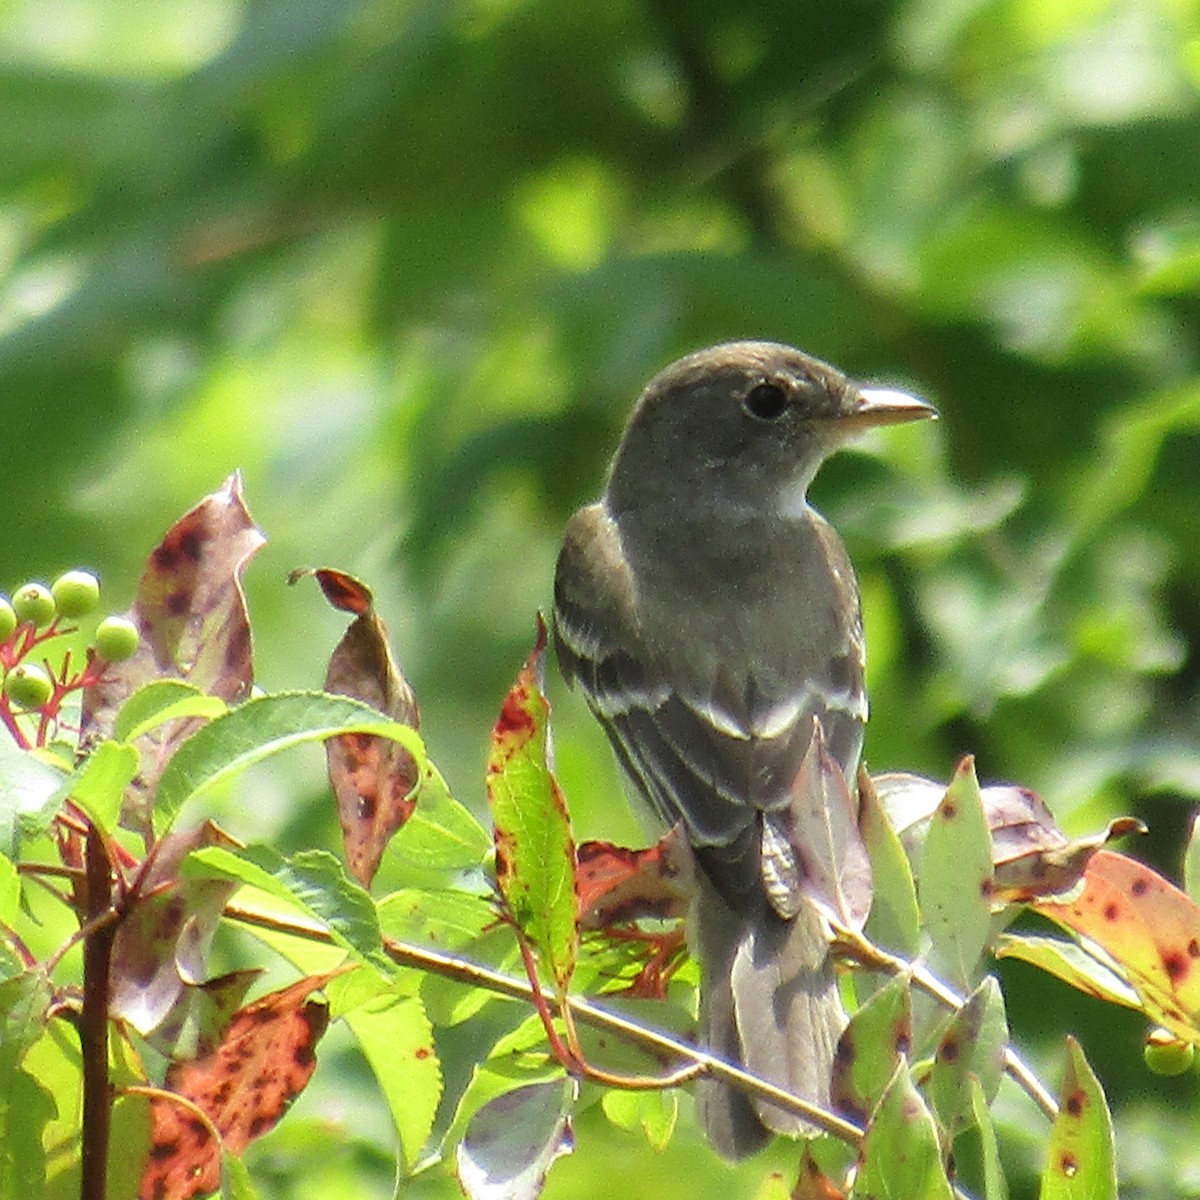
{"type": "Point", "coordinates": [314, 881]}
{"type": "Point", "coordinates": [25, 1106]}
{"type": "Point", "coordinates": [98, 786]}
{"type": "Point", "coordinates": [535, 848]}
{"type": "Point", "coordinates": [396, 1039]}
{"type": "Point", "coordinates": [901, 1154]}
{"type": "Point", "coordinates": [29, 796]}
{"type": "Point", "coordinates": [1081, 1158]}
{"type": "Point", "coordinates": [955, 884]}
{"type": "Point", "coordinates": [160, 701]}
{"type": "Point", "coordinates": [259, 728]}
{"type": "Point", "coordinates": [515, 1139]}
{"type": "Point", "coordinates": [441, 835]}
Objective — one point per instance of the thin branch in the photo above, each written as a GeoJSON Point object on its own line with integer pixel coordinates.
{"type": "Point", "coordinates": [93, 1028]}
{"type": "Point", "coordinates": [475, 975]}
{"type": "Point", "coordinates": [874, 957]}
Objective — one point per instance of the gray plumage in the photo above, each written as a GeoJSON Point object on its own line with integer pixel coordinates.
{"type": "Point", "coordinates": [710, 615]}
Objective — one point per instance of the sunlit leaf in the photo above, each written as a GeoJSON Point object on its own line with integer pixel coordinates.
{"type": "Point", "coordinates": [535, 849]}
{"type": "Point", "coordinates": [901, 1155]}
{"type": "Point", "coordinates": [1148, 928]}
{"type": "Point", "coordinates": [1081, 1158]}
{"type": "Point", "coordinates": [955, 884]}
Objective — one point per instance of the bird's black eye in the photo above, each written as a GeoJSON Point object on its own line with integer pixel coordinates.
{"type": "Point", "coordinates": [767, 402]}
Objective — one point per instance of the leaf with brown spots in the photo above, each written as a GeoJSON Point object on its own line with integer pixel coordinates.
{"type": "Point", "coordinates": [813, 1183]}
{"type": "Point", "coordinates": [159, 983]}
{"type": "Point", "coordinates": [954, 881]}
{"type": "Point", "coordinates": [901, 1154]}
{"type": "Point", "coordinates": [1148, 928]}
{"type": "Point", "coordinates": [971, 1047]}
{"type": "Point", "coordinates": [1031, 855]}
{"type": "Point", "coordinates": [1081, 1159]}
{"type": "Point", "coordinates": [616, 885]}
{"type": "Point", "coordinates": [191, 613]}
{"type": "Point", "coordinates": [873, 1044]}
{"type": "Point", "coordinates": [373, 778]}
{"type": "Point", "coordinates": [535, 848]}
{"type": "Point", "coordinates": [264, 1061]}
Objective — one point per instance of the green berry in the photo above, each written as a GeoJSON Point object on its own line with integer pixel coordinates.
{"type": "Point", "coordinates": [35, 604]}
{"type": "Point", "coordinates": [116, 639]}
{"type": "Point", "coordinates": [76, 593]}
{"type": "Point", "coordinates": [8, 619]}
{"type": "Point", "coordinates": [1166, 1055]}
{"type": "Point", "coordinates": [28, 686]}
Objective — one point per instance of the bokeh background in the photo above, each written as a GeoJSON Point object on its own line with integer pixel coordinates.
{"type": "Point", "coordinates": [407, 263]}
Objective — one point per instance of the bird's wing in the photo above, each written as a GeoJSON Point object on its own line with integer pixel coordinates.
{"type": "Point", "coordinates": [703, 748]}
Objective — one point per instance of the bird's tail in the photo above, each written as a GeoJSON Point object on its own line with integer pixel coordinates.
{"type": "Point", "coordinates": [769, 1003]}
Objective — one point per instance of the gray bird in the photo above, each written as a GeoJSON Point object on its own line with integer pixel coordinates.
{"type": "Point", "coordinates": [709, 615]}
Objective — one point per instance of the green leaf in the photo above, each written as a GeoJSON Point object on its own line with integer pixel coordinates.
{"type": "Point", "coordinates": [901, 1156]}
{"type": "Point", "coordinates": [994, 1185]}
{"type": "Point", "coordinates": [98, 786]}
{"type": "Point", "coordinates": [236, 1183]}
{"type": "Point", "coordinates": [1191, 862]}
{"type": "Point", "coordinates": [29, 795]}
{"type": "Point", "coordinates": [440, 836]}
{"type": "Point", "coordinates": [1081, 1159]}
{"type": "Point", "coordinates": [160, 701]}
{"type": "Point", "coordinates": [26, 1106]}
{"type": "Point", "coordinates": [956, 879]}
{"type": "Point", "coordinates": [10, 890]}
{"type": "Point", "coordinates": [313, 881]}
{"type": "Point", "coordinates": [535, 849]}
{"type": "Point", "coordinates": [396, 1039]}
{"type": "Point", "coordinates": [653, 1112]}
{"type": "Point", "coordinates": [871, 1047]}
{"type": "Point", "coordinates": [1071, 963]}
{"type": "Point", "coordinates": [894, 921]}
{"type": "Point", "coordinates": [970, 1049]}
{"type": "Point", "coordinates": [444, 918]}
{"type": "Point", "coordinates": [262, 727]}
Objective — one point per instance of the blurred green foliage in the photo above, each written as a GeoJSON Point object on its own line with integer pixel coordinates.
{"type": "Point", "coordinates": [408, 262]}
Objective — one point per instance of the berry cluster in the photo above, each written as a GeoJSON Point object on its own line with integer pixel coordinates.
{"type": "Point", "coordinates": [34, 616]}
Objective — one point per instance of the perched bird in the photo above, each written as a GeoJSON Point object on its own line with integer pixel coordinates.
{"type": "Point", "coordinates": [709, 615]}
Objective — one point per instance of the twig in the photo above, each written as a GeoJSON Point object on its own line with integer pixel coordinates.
{"type": "Point", "coordinates": [475, 975]}
{"type": "Point", "coordinates": [869, 955]}
{"type": "Point", "coordinates": [93, 1030]}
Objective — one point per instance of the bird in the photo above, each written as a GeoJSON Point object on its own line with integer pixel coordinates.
{"type": "Point", "coordinates": [711, 618]}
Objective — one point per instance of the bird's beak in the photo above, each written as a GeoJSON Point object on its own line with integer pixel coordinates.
{"type": "Point", "coordinates": [867, 407]}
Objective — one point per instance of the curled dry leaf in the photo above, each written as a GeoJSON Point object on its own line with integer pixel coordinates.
{"type": "Point", "coordinates": [158, 982]}
{"type": "Point", "coordinates": [244, 1087]}
{"type": "Point", "coordinates": [615, 885]}
{"type": "Point", "coordinates": [191, 615]}
{"type": "Point", "coordinates": [1031, 855]}
{"type": "Point", "coordinates": [373, 778]}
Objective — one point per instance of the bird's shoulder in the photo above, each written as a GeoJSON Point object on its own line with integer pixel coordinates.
{"type": "Point", "coordinates": [595, 598]}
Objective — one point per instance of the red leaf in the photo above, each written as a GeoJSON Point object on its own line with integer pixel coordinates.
{"type": "Point", "coordinates": [615, 885]}
{"type": "Point", "coordinates": [264, 1061]}
{"type": "Point", "coordinates": [191, 613]}
{"type": "Point", "coordinates": [373, 778]}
